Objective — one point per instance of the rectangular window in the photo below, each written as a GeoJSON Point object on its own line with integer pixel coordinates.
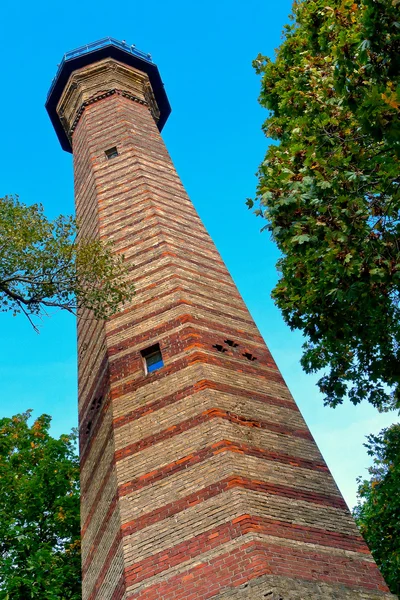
{"type": "Point", "coordinates": [152, 358]}
{"type": "Point", "coordinates": [111, 152]}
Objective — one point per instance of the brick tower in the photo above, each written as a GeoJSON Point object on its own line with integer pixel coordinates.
{"type": "Point", "coordinates": [200, 479]}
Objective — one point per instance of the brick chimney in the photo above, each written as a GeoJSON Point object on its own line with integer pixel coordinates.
{"type": "Point", "coordinates": [200, 478]}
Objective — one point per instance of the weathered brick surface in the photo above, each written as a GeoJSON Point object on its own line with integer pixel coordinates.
{"type": "Point", "coordinates": [248, 559]}
{"type": "Point", "coordinates": [272, 587]}
{"type": "Point", "coordinates": [200, 480]}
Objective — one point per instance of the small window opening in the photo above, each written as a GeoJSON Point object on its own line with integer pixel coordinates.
{"type": "Point", "coordinates": [249, 356]}
{"type": "Point", "coordinates": [231, 343]}
{"type": "Point", "coordinates": [219, 348]}
{"type": "Point", "coordinates": [112, 152]}
{"type": "Point", "coordinates": [152, 358]}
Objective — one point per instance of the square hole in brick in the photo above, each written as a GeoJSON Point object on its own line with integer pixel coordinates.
{"type": "Point", "coordinates": [111, 152]}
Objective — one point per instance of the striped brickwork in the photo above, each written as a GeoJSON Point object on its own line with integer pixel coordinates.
{"type": "Point", "coordinates": [200, 480]}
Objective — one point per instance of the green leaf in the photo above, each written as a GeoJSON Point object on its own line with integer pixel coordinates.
{"type": "Point", "coordinates": [301, 239]}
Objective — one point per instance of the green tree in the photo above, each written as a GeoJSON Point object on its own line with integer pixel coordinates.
{"type": "Point", "coordinates": [378, 511]}
{"type": "Point", "coordinates": [45, 264]}
{"type": "Point", "coordinates": [330, 191]}
{"type": "Point", "coordinates": [39, 512]}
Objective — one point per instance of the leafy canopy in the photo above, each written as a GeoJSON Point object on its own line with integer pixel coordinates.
{"type": "Point", "coordinates": [43, 265]}
{"type": "Point", "coordinates": [330, 191]}
{"type": "Point", "coordinates": [39, 512]}
{"type": "Point", "coordinates": [378, 511]}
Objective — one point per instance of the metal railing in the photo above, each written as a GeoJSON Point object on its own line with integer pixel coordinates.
{"type": "Point", "coordinates": [103, 43]}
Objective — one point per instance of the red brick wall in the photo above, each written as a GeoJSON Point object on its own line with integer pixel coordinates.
{"type": "Point", "coordinates": [201, 476]}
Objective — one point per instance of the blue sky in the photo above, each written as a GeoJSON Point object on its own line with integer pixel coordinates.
{"type": "Point", "coordinates": [204, 52]}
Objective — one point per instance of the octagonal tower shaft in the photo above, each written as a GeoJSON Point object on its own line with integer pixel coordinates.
{"type": "Point", "coordinates": [200, 479]}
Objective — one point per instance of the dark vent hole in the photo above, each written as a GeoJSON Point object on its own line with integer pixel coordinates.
{"type": "Point", "coordinates": [219, 348]}
{"type": "Point", "coordinates": [249, 356]}
{"type": "Point", "coordinates": [111, 152]}
{"type": "Point", "coordinates": [231, 343]}
{"type": "Point", "coordinates": [96, 403]}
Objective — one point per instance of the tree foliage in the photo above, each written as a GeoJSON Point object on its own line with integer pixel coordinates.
{"type": "Point", "coordinates": [330, 191]}
{"type": "Point", "coordinates": [39, 512]}
{"type": "Point", "coordinates": [43, 265]}
{"type": "Point", "coordinates": [378, 511]}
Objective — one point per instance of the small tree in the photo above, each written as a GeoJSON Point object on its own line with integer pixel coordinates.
{"type": "Point", "coordinates": [39, 512]}
{"type": "Point", "coordinates": [43, 265]}
{"type": "Point", "coordinates": [378, 511]}
{"type": "Point", "coordinates": [330, 191]}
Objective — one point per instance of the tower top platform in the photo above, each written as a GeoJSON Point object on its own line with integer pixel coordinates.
{"type": "Point", "coordinates": [92, 53]}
